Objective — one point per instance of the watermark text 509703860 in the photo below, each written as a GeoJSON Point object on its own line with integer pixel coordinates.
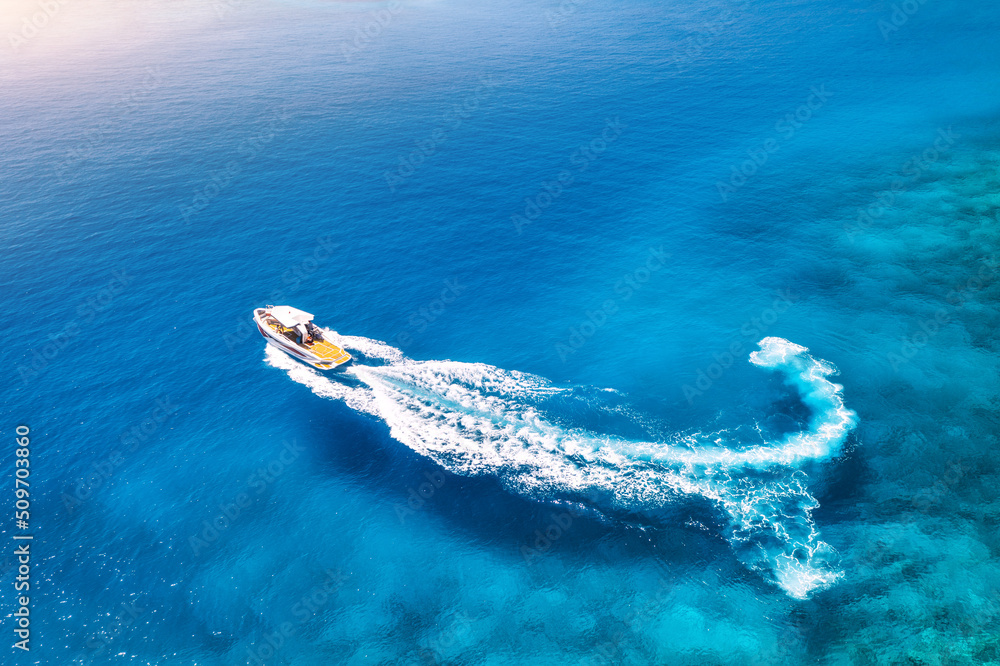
{"type": "Point", "coordinates": [22, 541]}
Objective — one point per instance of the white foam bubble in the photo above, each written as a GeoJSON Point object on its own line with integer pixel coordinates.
{"type": "Point", "coordinates": [477, 419]}
{"type": "Point", "coordinates": [361, 399]}
{"type": "Point", "coordinates": [367, 346]}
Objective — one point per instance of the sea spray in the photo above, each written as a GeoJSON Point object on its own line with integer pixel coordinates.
{"type": "Point", "coordinates": [476, 419]}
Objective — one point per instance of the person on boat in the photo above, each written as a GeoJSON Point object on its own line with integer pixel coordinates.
{"type": "Point", "coordinates": [314, 331]}
{"type": "Point", "coordinates": [304, 337]}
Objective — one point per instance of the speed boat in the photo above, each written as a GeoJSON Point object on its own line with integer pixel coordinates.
{"type": "Point", "coordinates": [292, 331]}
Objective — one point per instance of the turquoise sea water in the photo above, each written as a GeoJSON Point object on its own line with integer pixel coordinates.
{"type": "Point", "coordinates": [674, 324]}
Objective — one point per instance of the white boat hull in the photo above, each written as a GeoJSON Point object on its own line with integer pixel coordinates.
{"type": "Point", "coordinates": [322, 354]}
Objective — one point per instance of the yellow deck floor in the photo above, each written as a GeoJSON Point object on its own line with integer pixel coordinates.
{"type": "Point", "coordinates": [326, 350]}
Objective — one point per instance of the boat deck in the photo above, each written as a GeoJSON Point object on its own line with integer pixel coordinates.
{"type": "Point", "coordinates": [329, 352]}
{"type": "Point", "coordinates": [324, 349]}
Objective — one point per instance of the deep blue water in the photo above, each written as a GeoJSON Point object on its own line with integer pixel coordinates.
{"type": "Point", "coordinates": [552, 234]}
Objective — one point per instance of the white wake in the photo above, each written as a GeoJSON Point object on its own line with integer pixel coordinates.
{"type": "Point", "coordinates": [475, 419]}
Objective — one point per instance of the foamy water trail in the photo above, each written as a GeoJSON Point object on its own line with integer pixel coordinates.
{"type": "Point", "coordinates": [475, 419]}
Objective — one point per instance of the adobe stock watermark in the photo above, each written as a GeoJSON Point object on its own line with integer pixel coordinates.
{"type": "Point", "coordinates": [911, 171]}
{"type": "Point", "coordinates": [248, 149]}
{"type": "Point", "coordinates": [884, 548]}
{"type": "Point", "coordinates": [751, 331]}
{"type": "Point", "coordinates": [559, 524]}
{"type": "Point", "coordinates": [581, 159]}
{"type": "Point", "coordinates": [301, 612]}
{"type": "Point", "coordinates": [627, 286]}
{"type": "Point", "coordinates": [418, 496]}
{"type": "Point", "coordinates": [694, 45]}
{"type": "Point", "coordinates": [931, 497]}
{"type": "Point", "coordinates": [786, 128]}
{"type": "Point", "coordinates": [291, 280]}
{"type": "Point", "coordinates": [557, 17]}
{"type": "Point", "coordinates": [33, 24]}
{"type": "Point", "coordinates": [224, 7]}
{"type": "Point", "coordinates": [130, 440]}
{"type": "Point", "coordinates": [612, 651]}
{"type": "Point", "coordinates": [229, 512]}
{"type": "Point", "coordinates": [86, 313]}
{"type": "Point", "coordinates": [437, 650]}
{"type": "Point", "coordinates": [96, 137]}
{"type": "Point", "coordinates": [97, 644]}
{"type": "Point", "coordinates": [451, 120]}
{"type": "Point", "coordinates": [426, 314]}
{"type": "Point", "coordinates": [910, 345]}
{"type": "Point", "coordinates": [901, 13]}
{"type": "Point", "coordinates": [369, 29]}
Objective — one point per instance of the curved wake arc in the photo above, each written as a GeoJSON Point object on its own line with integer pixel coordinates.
{"type": "Point", "coordinates": [473, 418]}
